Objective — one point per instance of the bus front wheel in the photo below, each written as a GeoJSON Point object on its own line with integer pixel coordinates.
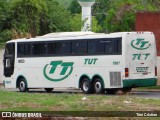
{"type": "Point", "coordinates": [86, 86]}
{"type": "Point", "coordinates": [22, 85]}
{"type": "Point", "coordinates": [98, 86]}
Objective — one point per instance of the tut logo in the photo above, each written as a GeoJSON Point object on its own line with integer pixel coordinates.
{"type": "Point", "coordinates": [140, 44]}
{"type": "Point", "coordinates": [57, 70]}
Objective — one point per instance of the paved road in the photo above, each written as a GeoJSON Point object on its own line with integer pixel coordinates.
{"type": "Point", "coordinates": [146, 94]}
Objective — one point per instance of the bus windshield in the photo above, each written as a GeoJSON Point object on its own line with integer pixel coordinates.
{"type": "Point", "coordinates": [8, 60]}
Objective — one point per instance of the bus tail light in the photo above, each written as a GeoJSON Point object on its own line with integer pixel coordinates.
{"type": "Point", "coordinates": [155, 71]}
{"type": "Point", "coordinates": [126, 72]}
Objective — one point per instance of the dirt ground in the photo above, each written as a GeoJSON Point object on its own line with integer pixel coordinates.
{"type": "Point", "coordinates": [1, 67]}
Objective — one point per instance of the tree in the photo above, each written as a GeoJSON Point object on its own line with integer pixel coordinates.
{"type": "Point", "coordinates": [75, 7]}
{"type": "Point", "coordinates": [5, 26]}
{"type": "Point", "coordinates": [118, 15]}
{"type": "Point", "coordinates": [156, 3]}
{"type": "Point", "coordinates": [121, 14]}
{"type": "Point", "coordinates": [76, 22]}
{"type": "Point", "coordinates": [120, 18]}
{"type": "Point", "coordinates": [26, 15]}
{"type": "Point", "coordinates": [65, 3]}
{"type": "Point", "coordinates": [56, 19]}
{"type": "Point", "coordinates": [38, 17]}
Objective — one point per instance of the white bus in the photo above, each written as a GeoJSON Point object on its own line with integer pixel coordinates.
{"type": "Point", "coordinates": [92, 62]}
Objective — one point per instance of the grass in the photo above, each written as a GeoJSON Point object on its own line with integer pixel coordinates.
{"type": "Point", "coordinates": [34, 101]}
{"type": "Point", "coordinates": [17, 101]}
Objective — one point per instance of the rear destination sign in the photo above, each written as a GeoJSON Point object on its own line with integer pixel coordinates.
{"type": "Point", "coordinates": [142, 69]}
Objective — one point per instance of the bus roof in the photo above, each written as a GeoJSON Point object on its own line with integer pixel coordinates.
{"type": "Point", "coordinates": [73, 36]}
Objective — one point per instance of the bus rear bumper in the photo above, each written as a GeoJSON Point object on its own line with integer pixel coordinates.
{"type": "Point", "coordinates": [140, 82]}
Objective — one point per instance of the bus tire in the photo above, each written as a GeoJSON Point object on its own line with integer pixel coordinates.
{"type": "Point", "coordinates": [86, 86]}
{"type": "Point", "coordinates": [98, 86]}
{"type": "Point", "coordinates": [22, 85]}
{"type": "Point", "coordinates": [48, 90]}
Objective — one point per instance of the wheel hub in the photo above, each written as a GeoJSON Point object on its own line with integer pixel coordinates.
{"type": "Point", "coordinates": [98, 86]}
{"type": "Point", "coordinates": [22, 85]}
{"type": "Point", "coordinates": [85, 86]}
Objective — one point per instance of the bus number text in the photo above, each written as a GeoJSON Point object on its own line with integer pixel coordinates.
{"type": "Point", "coordinates": [116, 62]}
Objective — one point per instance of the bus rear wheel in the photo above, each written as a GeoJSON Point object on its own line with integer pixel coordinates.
{"type": "Point", "coordinates": [86, 86]}
{"type": "Point", "coordinates": [98, 86]}
{"type": "Point", "coordinates": [22, 85]}
{"type": "Point", "coordinates": [48, 90]}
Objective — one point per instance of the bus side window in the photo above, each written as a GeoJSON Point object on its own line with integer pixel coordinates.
{"type": "Point", "coordinates": [108, 47]}
{"type": "Point", "coordinates": [27, 51]}
{"type": "Point", "coordinates": [91, 47]}
{"type": "Point", "coordinates": [58, 49]}
{"type": "Point", "coordinates": [51, 48]}
{"type": "Point", "coordinates": [39, 49]}
{"type": "Point", "coordinates": [79, 47]}
{"type": "Point", "coordinates": [117, 46]}
{"type": "Point", "coordinates": [66, 48]}
{"type": "Point", "coordinates": [23, 50]}
{"type": "Point", "coordinates": [100, 47]}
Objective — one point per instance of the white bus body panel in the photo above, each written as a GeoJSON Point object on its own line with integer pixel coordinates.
{"type": "Point", "coordinates": [138, 56]}
{"type": "Point", "coordinates": [141, 57]}
{"type": "Point", "coordinates": [36, 79]}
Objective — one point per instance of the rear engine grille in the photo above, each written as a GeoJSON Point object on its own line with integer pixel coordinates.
{"type": "Point", "coordinates": [115, 78]}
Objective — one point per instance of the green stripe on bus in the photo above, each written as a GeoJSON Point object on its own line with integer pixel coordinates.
{"type": "Point", "coordinates": [140, 82]}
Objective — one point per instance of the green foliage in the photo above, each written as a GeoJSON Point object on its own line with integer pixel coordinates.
{"type": "Point", "coordinates": [75, 7]}
{"type": "Point", "coordinates": [22, 18]}
{"type": "Point", "coordinates": [4, 14]}
{"type": "Point", "coordinates": [76, 22]}
{"type": "Point", "coordinates": [57, 18]}
{"type": "Point", "coordinates": [121, 18]}
{"type": "Point", "coordinates": [95, 26]}
{"type": "Point", "coordinates": [65, 3]}
{"type": "Point", "coordinates": [117, 15]}
{"type": "Point", "coordinates": [4, 36]}
{"type": "Point", "coordinates": [26, 14]}
{"type": "Point", "coordinates": [5, 33]}
{"type": "Point", "coordinates": [121, 14]}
